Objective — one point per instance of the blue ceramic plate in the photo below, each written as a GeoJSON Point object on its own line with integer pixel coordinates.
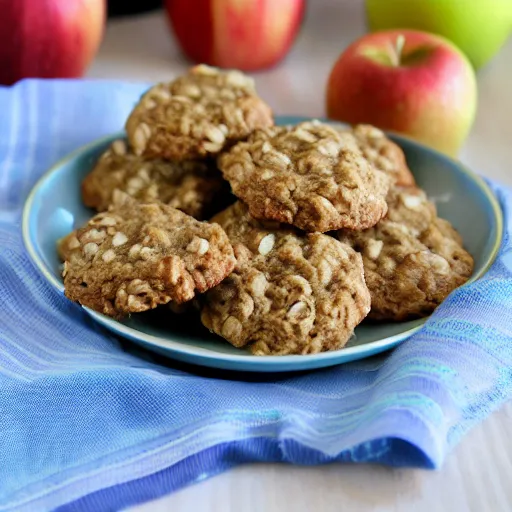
{"type": "Point", "coordinates": [54, 208]}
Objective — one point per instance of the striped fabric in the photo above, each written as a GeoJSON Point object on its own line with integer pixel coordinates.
{"type": "Point", "coordinates": [87, 425]}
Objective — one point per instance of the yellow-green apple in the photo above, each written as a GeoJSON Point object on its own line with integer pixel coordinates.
{"type": "Point", "coordinates": [409, 82]}
{"type": "Point", "coordinates": [48, 38]}
{"type": "Point", "coordinates": [242, 34]}
{"type": "Point", "coordinates": [479, 28]}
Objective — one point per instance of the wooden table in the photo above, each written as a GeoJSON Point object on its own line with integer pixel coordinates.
{"type": "Point", "coordinates": [478, 474]}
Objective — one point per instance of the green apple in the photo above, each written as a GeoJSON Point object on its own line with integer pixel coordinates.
{"type": "Point", "coordinates": [478, 27]}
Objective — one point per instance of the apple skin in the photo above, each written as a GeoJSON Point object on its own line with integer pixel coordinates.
{"type": "Point", "coordinates": [243, 34]}
{"type": "Point", "coordinates": [48, 38]}
{"type": "Point", "coordinates": [431, 96]}
{"type": "Point", "coordinates": [478, 27]}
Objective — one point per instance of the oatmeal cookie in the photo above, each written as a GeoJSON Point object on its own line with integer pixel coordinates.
{"type": "Point", "coordinates": [411, 207]}
{"type": "Point", "coordinates": [135, 257]}
{"type": "Point", "coordinates": [67, 245]}
{"type": "Point", "coordinates": [411, 263]}
{"type": "Point", "coordinates": [290, 292]}
{"type": "Point", "coordinates": [384, 154]}
{"type": "Point", "coordinates": [196, 115]}
{"type": "Point", "coordinates": [310, 175]}
{"type": "Point", "coordinates": [195, 187]}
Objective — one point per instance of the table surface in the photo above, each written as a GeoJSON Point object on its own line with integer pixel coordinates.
{"type": "Point", "coordinates": [476, 476]}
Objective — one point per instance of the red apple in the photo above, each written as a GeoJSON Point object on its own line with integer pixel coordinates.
{"type": "Point", "coordinates": [242, 34]}
{"type": "Point", "coordinates": [48, 38]}
{"type": "Point", "coordinates": [409, 82]}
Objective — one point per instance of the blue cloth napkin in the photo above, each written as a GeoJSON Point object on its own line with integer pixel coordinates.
{"type": "Point", "coordinates": [87, 425]}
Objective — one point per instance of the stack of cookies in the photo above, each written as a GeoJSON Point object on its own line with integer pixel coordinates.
{"type": "Point", "coordinates": [286, 237]}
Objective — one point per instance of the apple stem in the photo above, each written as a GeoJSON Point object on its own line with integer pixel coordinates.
{"type": "Point", "coordinates": [399, 46]}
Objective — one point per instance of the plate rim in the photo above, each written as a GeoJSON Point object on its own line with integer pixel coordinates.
{"type": "Point", "coordinates": [212, 358]}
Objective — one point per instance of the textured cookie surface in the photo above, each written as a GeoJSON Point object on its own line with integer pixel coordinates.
{"type": "Point", "coordinates": [194, 187]}
{"type": "Point", "coordinates": [133, 258]}
{"type": "Point", "coordinates": [290, 293]}
{"type": "Point", "coordinates": [410, 207]}
{"type": "Point", "coordinates": [311, 175]}
{"type": "Point", "coordinates": [384, 154]}
{"type": "Point", "coordinates": [412, 259]}
{"type": "Point", "coordinates": [196, 115]}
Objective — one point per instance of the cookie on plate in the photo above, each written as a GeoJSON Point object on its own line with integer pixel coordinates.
{"type": "Point", "coordinates": [410, 206]}
{"type": "Point", "coordinates": [412, 259]}
{"type": "Point", "coordinates": [290, 292]}
{"type": "Point", "coordinates": [67, 245]}
{"type": "Point", "coordinates": [135, 257]}
{"type": "Point", "coordinates": [311, 175]}
{"type": "Point", "coordinates": [195, 187]}
{"type": "Point", "coordinates": [196, 115]}
{"type": "Point", "coordinates": [384, 154]}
